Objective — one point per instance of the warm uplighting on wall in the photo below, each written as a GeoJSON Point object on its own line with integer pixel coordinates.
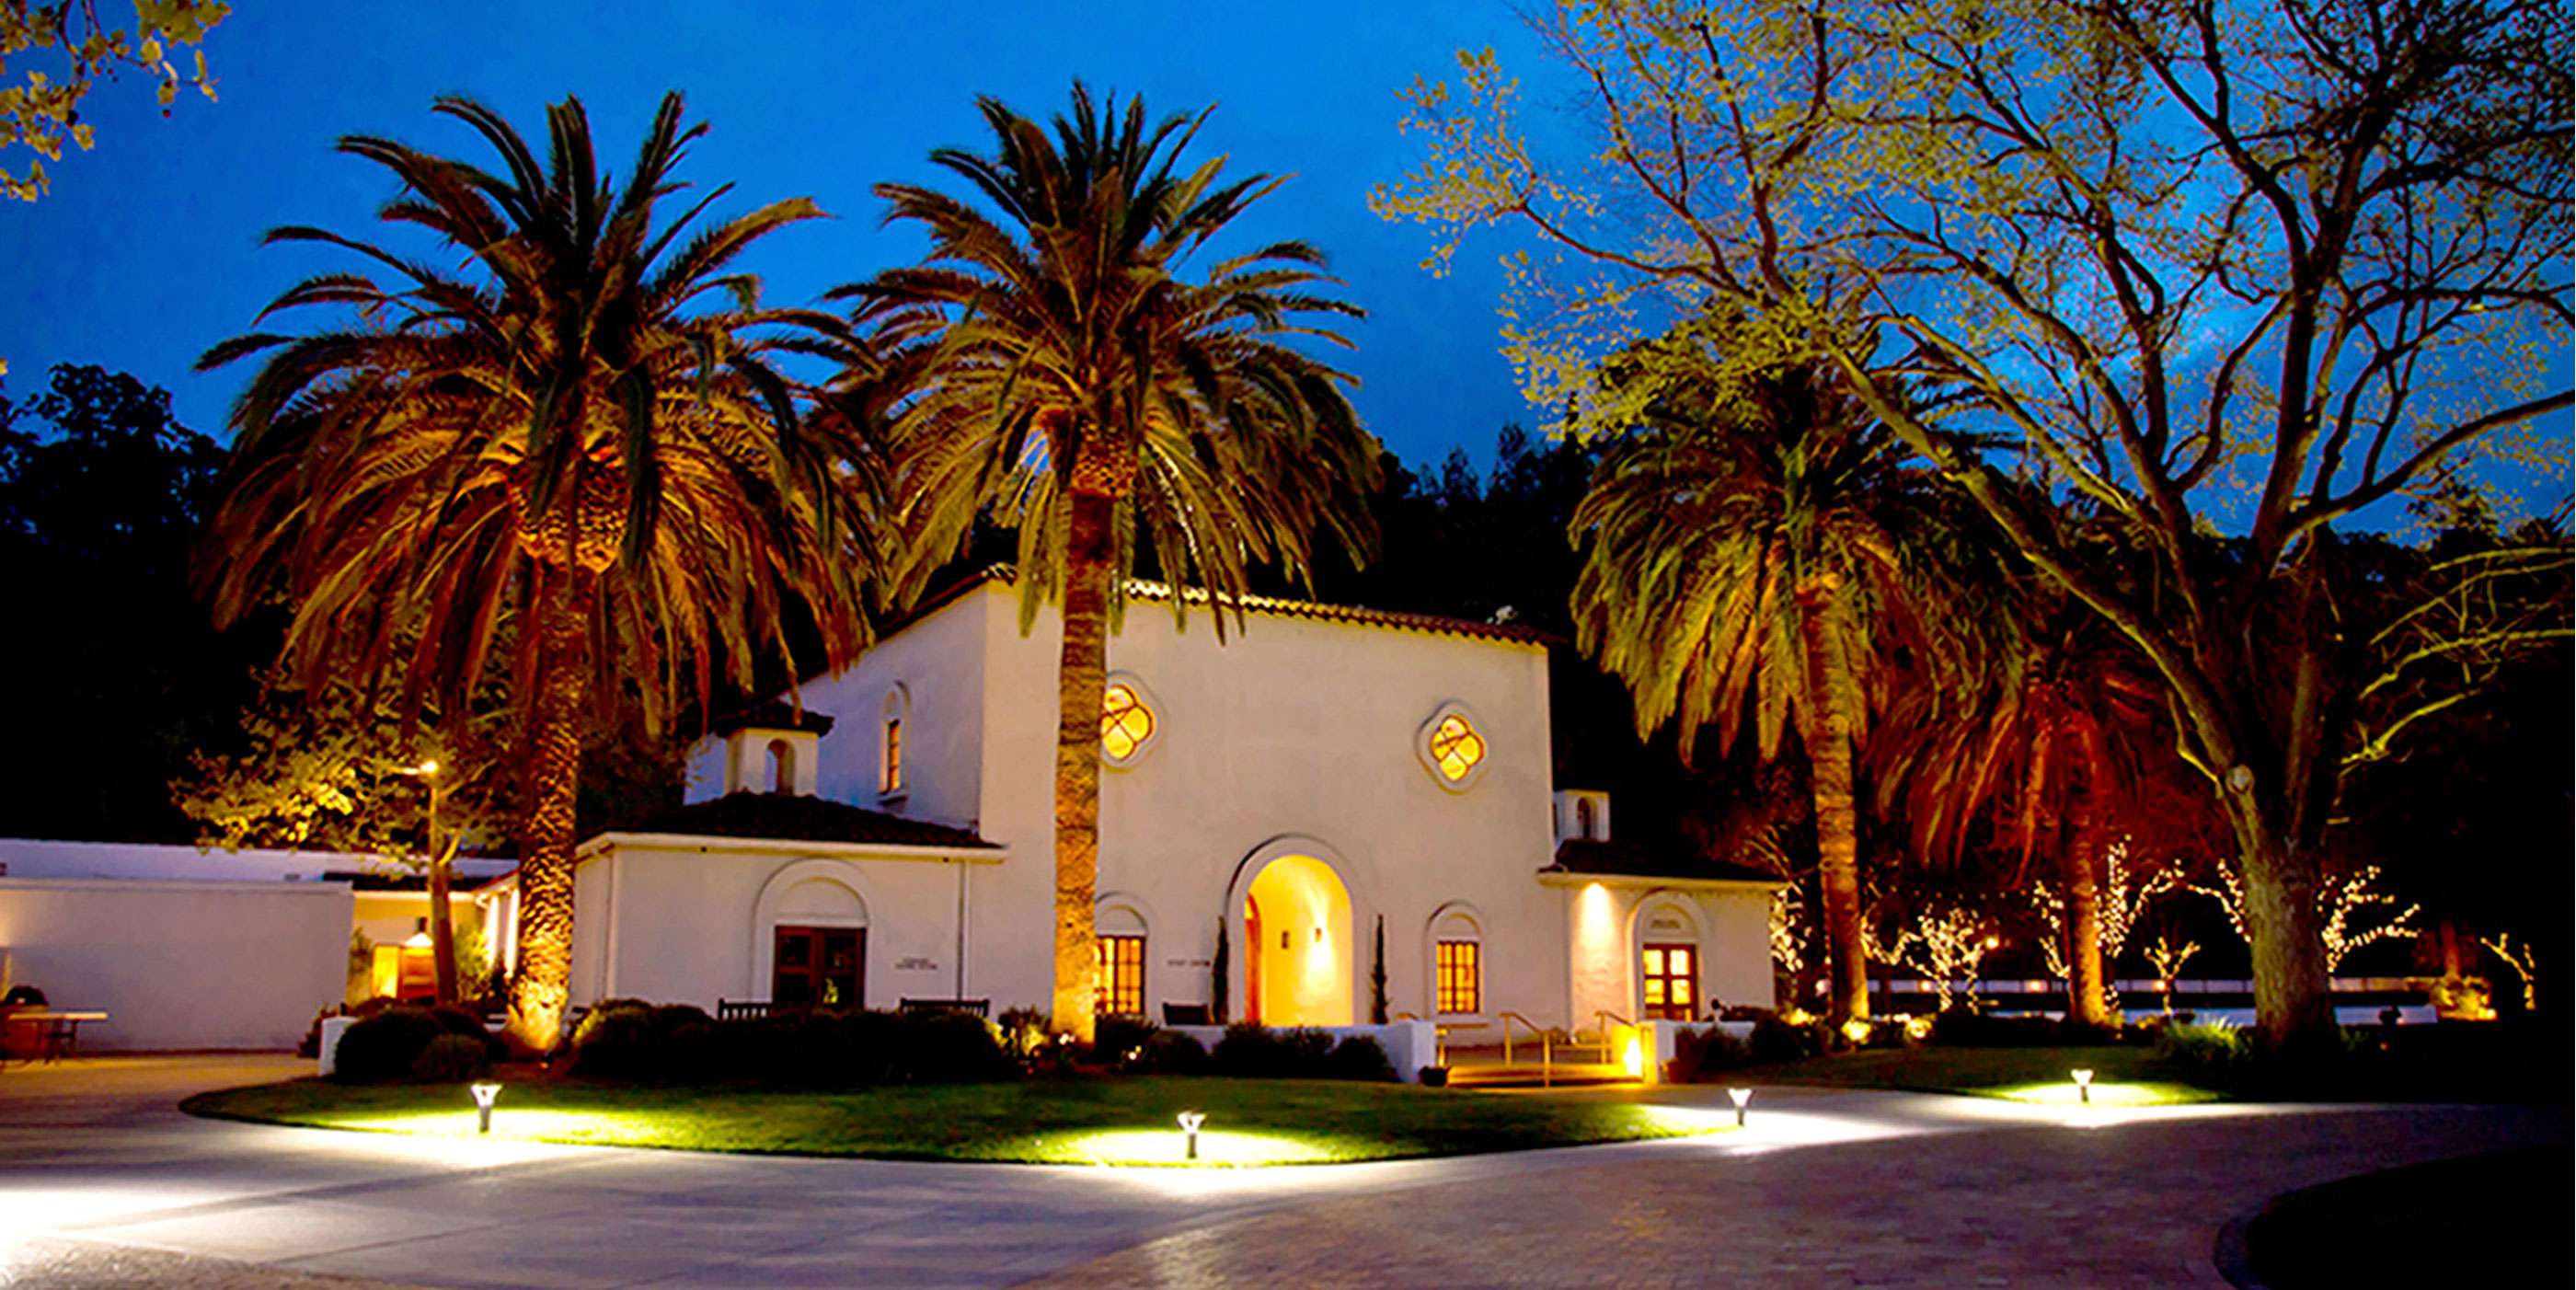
{"type": "Point", "coordinates": [1634, 1059]}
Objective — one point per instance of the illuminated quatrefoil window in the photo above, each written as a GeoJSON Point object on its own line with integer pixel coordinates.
{"type": "Point", "coordinates": [1452, 747]}
{"type": "Point", "coordinates": [1127, 722]}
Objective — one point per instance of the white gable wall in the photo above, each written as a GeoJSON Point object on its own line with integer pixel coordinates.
{"type": "Point", "coordinates": [1295, 736]}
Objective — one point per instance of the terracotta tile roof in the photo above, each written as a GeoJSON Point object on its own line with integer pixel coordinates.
{"type": "Point", "coordinates": [1140, 589]}
{"type": "Point", "coordinates": [1628, 859]}
{"type": "Point", "coordinates": [776, 714]}
{"type": "Point", "coordinates": [798, 818]}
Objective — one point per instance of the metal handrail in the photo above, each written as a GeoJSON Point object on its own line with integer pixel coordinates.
{"type": "Point", "coordinates": [1546, 1046]}
{"type": "Point", "coordinates": [1602, 1016]}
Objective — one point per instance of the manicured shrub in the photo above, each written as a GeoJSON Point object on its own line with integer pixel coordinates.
{"type": "Point", "coordinates": [1257, 1052]}
{"type": "Point", "coordinates": [943, 1047]}
{"type": "Point", "coordinates": [2204, 1054]}
{"type": "Point", "coordinates": [451, 1059]}
{"type": "Point", "coordinates": [1169, 1052]}
{"type": "Point", "coordinates": [1776, 1040]}
{"type": "Point", "coordinates": [385, 1046]}
{"type": "Point", "coordinates": [1024, 1031]}
{"type": "Point", "coordinates": [1700, 1056]}
{"type": "Point", "coordinates": [1359, 1057]}
{"type": "Point", "coordinates": [1118, 1039]}
{"type": "Point", "coordinates": [1959, 1028]}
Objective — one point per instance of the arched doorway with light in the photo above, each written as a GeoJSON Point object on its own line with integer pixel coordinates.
{"type": "Point", "coordinates": [1296, 927]}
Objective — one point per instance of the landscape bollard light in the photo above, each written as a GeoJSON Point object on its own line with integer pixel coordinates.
{"type": "Point", "coordinates": [1739, 1096]}
{"type": "Point", "coordinates": [484, 1096]}
{"type": "Point", "coordinates": [1190, 1122]}
{"type": "Point", "coordinates": [2083, 1086]}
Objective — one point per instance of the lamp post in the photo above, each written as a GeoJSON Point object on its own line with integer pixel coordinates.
{"type": "Point", "coordinates": [2083, 1086]}
{"type": "Point", "coordinates": [484, 1096]}
{"type": "Point", "coordinates": [1739, 1096]}
{"type": "Point", "coordinates": [1190, 1122]}
{"type": "Point", "coordinates": [442, 932]}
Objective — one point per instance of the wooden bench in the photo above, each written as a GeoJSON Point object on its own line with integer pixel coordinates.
{"type": "Point", "coordinates": [972, 1007]}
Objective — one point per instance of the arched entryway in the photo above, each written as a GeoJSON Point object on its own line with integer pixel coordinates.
{"type": "Point", "coordinates": [1297, 927]}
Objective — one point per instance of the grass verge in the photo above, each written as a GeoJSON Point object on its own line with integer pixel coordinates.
{"type": "Point", "coordinates": [1110, 1121]}
{"type": "Point", "coordinates": [2488, 1220]}
{"type": "Point", "coordinates": [2122, 1076]}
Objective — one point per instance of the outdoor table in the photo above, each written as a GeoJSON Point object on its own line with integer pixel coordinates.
{"type": "Point", "coordinates": [56, 1034]}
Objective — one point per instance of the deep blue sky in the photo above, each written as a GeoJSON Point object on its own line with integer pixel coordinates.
{"type": "Point", "coordinates": [147, 250]}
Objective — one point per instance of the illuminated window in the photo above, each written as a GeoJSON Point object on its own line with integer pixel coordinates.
{"type": "Point", "coordinates": [1461, 977]}
{"type": "Point", "coordinates": [1126, 722]}
{"type": "Point", "coordinates": [1672, 981]}
{"type": "Point", "coordinates": [891, 782]}
{"type": "Point", "coordinates": [1456, 748]}
{"type": "Point", "coordinates": [1122, 975]}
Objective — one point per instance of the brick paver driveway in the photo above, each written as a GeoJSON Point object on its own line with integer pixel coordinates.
{"type": "Point", "coordinates": [103, 1184]}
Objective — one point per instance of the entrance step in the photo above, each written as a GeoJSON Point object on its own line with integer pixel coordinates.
{"type": "Point", "coordinates": [1533, 1075]}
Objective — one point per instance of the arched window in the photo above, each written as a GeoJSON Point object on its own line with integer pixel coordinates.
{"type": "Point", "coordinates": [782, 766]}
{"type": "Point", "coordinates": [1457, 963]}
{"type": "Point", "coordinates": [1583, 818]}
{"type": "Point", "coordinates": [1120, 935]}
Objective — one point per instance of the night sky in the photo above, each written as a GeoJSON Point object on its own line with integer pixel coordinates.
{"type": "Point", "coordinates": [147, 250]}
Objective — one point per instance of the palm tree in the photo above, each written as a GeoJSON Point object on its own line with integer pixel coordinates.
{"type": "Point", "coordinates": [1749, 546]}
{"type": "Point", "coordinates": [1062, 374]}
{"type": "Point", "coordinates": [559, 450]}
{"type": "Point", "coordinates": [2058, 740]}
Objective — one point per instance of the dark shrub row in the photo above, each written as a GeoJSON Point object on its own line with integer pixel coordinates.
{"type": "Point", "coordinates": [441, 1045]}
{"type": "Point", "coordinates": [1258, 1052]}
{"type": "Point", "coordinates": [627, 1039]}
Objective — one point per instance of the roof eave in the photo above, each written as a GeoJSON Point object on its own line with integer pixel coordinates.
{"type": "Point", "coordinates": [1556, 876]}
{"type": "Point", "coordinates": [988, 853]}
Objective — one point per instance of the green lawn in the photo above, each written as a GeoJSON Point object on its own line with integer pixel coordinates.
{"type": "Point", "coordinates": [1105, 1121]}
{"type": "Point", "coordinates": [2121, 1076]}
{"type": "Point", "coordinates": [2489, 1220]}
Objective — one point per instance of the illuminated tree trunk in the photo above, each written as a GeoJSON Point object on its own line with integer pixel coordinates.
{"type": "Point", "coordinates": [442, 924]}
{"type": "Point", "coordinates": [1081, 675]}
{"type": "Point", "coordinates": [1826, 730]}
{"type": "Point", "coordinates": [543, 983]}
{"type": "Point", "coordinates": [2293, 994]}
{"type": "Point", "coordinates": [2086, 1001]}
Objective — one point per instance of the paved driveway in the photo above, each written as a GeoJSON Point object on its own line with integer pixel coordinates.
{"type": "Point", "coordinates": [103, 1184]}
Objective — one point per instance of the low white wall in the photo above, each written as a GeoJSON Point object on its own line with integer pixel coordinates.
{"type": "Point", "coordinates": [1409, 1045]}
{"type": "Point", "coordinates": [43, 858]}
{"type": "Point", "coordinates": [175, 965]}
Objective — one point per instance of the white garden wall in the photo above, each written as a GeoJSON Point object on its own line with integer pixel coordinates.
{"type": "Point", "coordinates": [180, 965]}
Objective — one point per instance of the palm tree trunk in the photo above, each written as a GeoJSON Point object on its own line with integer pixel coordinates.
{"type": "Point", "coordinates": [1826, 730]}
{"type": "Point", "coordinates": [2086, 1002]}
{"type": "Point", "coordinates": [543, 984]}
{"type": "Point", "coordinates": [442, 925]}
{"type": "Point", "coordinates": [1081, 675]}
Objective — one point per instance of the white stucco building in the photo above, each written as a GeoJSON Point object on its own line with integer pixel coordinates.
{"type": "Point", "coordinates": [1272, 800]}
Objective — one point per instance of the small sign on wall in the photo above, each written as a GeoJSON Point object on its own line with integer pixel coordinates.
{"type": "Point", "coordinates": [916, 964]}
{"type": "Point", "coordinates": [1186, 963]}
